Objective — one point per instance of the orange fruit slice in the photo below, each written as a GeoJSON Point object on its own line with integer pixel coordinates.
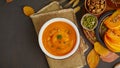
{"type": "Point", "coordinates": [28, 10]}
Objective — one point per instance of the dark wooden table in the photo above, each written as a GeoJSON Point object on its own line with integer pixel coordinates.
{"type": "Point", "coordinates": [18, 40]}
{"type": "Point", "coordinates": [19, 46]}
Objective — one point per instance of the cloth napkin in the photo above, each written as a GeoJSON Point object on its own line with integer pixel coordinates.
{"type": "Point", "coordinates": [77, 60]}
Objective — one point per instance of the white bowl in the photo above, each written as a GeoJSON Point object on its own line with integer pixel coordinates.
{"type": "Point", "coordinates": [50, 22]}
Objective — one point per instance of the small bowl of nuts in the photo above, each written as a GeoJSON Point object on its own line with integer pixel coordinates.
{"type": "Point", "coordinates": [95, 7]}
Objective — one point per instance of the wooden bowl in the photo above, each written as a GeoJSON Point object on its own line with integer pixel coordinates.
{"type": "Point", "coordinates": [95, 7]}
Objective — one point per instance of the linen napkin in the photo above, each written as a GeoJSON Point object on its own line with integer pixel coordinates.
{"type": "Point", "coordinates": [77, 60]}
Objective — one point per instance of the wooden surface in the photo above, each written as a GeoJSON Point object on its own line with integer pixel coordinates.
{"type": "Point", "coordinates": [18, 40]}
{"type": "Point", "coordinates": [19, 46]}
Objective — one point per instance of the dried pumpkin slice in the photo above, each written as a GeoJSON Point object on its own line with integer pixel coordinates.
{"type": "Point", "coordinates": [117, 31]}
{"type": "Point", "coordinates": [112, 46]}
{"type": "Point", "coordinates": [113, 21]}
{"type": "Point", "coordinates": [100, 49]}
{"type": "Point", "coordinates": [28, 10]}
{"type": "Point", "coordinates": [105, 54]}
{"type": "Point", "coordinates": [93, 59]}
{"type": "Point", "coordinates": [113, 36]}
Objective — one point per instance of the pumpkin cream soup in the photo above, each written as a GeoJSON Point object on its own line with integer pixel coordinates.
{"type": "Point", "coordinates": [59, 38]}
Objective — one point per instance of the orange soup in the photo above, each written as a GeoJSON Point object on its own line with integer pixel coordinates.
{"type": "Point", "coordinates": [59, 38]}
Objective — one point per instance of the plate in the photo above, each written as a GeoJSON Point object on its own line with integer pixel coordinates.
{"type": "Point", "coordinates": [101, 28]}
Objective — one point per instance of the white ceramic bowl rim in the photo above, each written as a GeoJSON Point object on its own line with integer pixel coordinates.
{"type": "Point", "coordinates": [50, 22]}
